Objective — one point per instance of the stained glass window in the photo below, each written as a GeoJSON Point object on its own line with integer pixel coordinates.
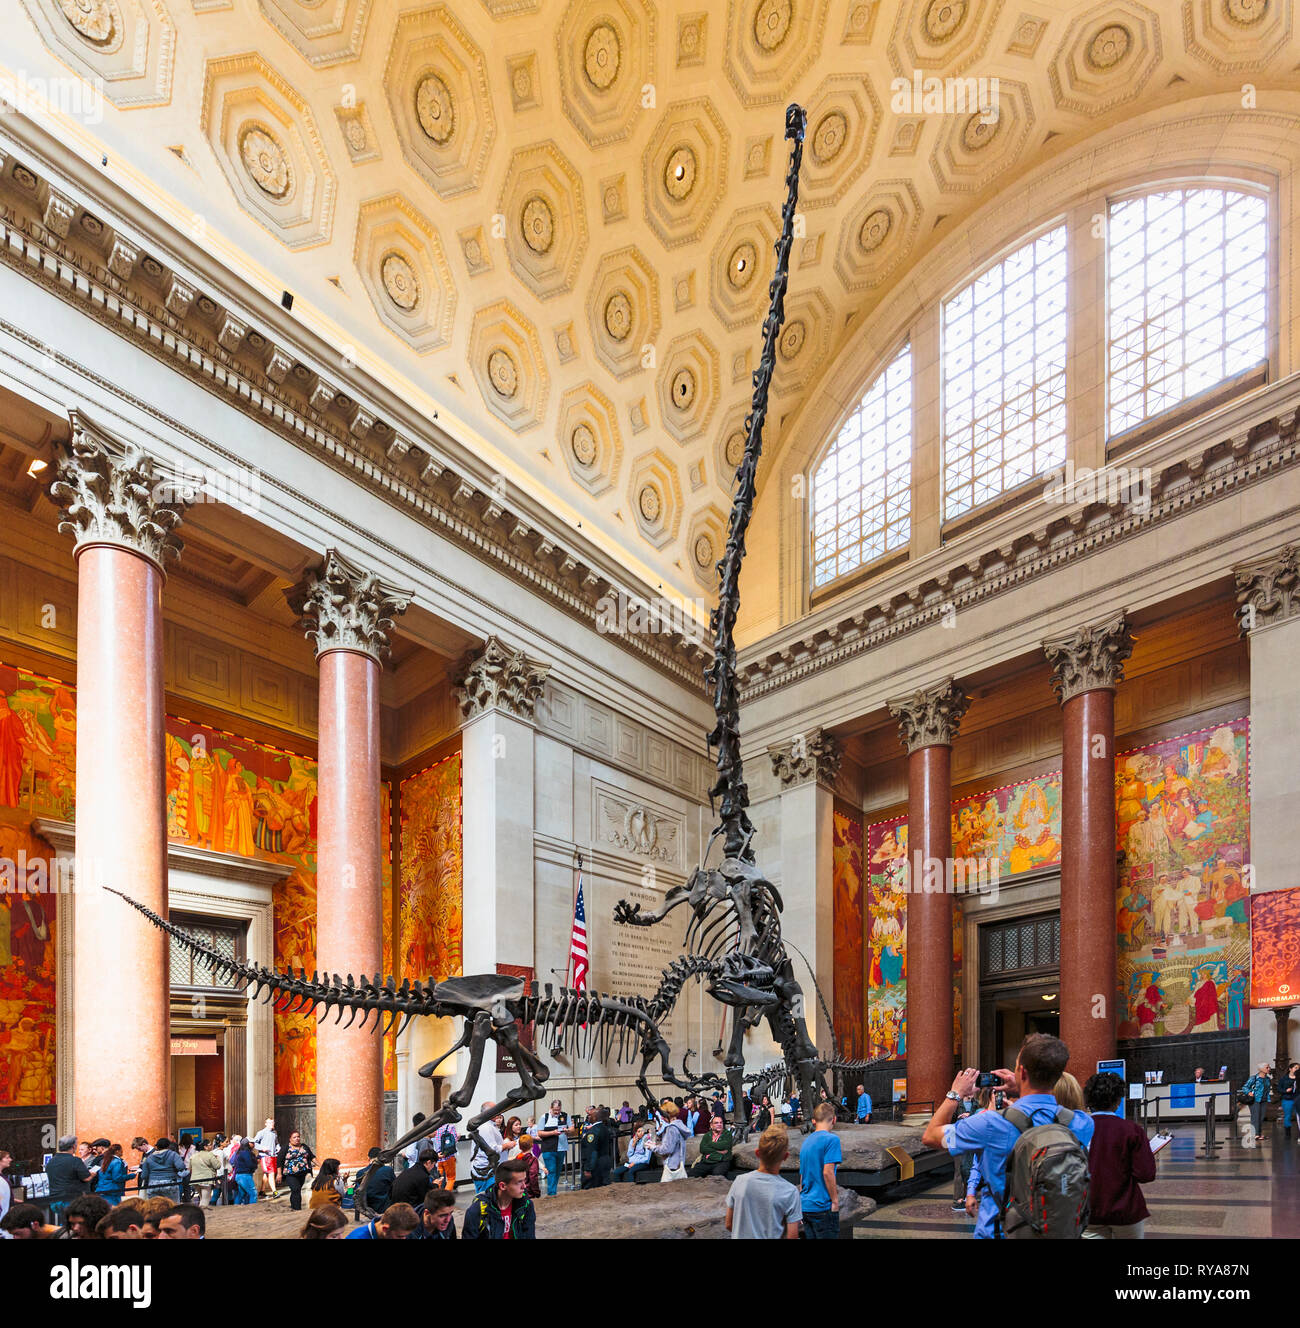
{"type": "Point", "coordinates": [1003, 374]}
{"type": "Point", "coordinates": [1187, 274]}
{"type": "Point", "coordinates": [862, 490]}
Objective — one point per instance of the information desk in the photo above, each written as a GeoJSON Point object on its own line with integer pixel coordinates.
{"type": "Point", "coordinates": [1188, 1100]}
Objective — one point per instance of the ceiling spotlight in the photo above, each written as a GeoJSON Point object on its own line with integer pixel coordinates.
{"type": "Point", "coordinates": [741, 265]}
{"type": "Point", "coordinates": [1052, 997]}
{"type": "Point", "coordinates": [679, 171]}
{"type": "Point", "coordinates": [35, 466]}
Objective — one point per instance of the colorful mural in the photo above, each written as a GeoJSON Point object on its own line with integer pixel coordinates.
{"type": "Point", "coordinates": [38, 724]}
{"type": "Point", "coordinates": [1182, 909]}
{"type": "Point", "coordinates": [1019, 824]}
{"type": "Point", "coordinates": [847, 998]}
{"type": "Point", "coordinates": [886, 909]}
{"type": "Point", "coordinates": [225, 793]}
{"type": "Point", "coordinates": [431, 871]}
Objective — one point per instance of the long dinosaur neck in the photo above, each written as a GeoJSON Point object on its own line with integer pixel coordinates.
{"type": "Point", "coordinates": [721, 673]}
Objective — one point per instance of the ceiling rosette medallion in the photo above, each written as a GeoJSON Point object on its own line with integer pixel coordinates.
{"type": "Point", "coordinates": [1106, 58]}
{"type": "Point", "coordinates": [403, 266]}
{"type": "Point", "coordinates": [545, 219]}
{"type": "Point", "coordinates": [269, 149]}
{"type": "Point", "coordinates": [943, 35]}
{"type": "Point", "coordinates": [605, 50]}
{"type": "Point", "coordinates": [506, 357]}
{"type": "Point", "coordinates": [770, 44]}
{"type": "Point", "coordinates": [436, 80]}
{"type": "Point", "coordinates": [323, 32]}
{"type": "Point", "coordinates": [654, 495]}
{"type": "Point", "coordinates": [688, 386]}
{"type": "Point", "coordinates": [623, 310]}
{"type": "Point", "coordinates": [878, 234]}
{"type": "Point", "coordinates": [706, 537]}
{"type": "Point", "coordinates": [975, 148]}
{"type": "Point", "coordinates": [684, 171]}
{"type": "Point", "coordinates": [843, 117]}
{"type": "Point", "coordinates": [126, 49]}
{"type": "Point", "coordinates": [740, 267]}
{"type": "Point", "coordinates": [1236, 36]}
{"type": "Point", "coordinates": [589, 438]}
{"type": "Point", "coordinates": [805, 340]}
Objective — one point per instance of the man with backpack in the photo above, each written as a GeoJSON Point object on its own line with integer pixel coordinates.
{"type": "Point", "coordinates": [444, 1144]}
{"type": "Point", "coordinates": [1033, 1157]}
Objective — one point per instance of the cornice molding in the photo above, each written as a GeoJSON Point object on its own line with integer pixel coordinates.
{"type": "Point", "coordinates": [346, 420]}
{"type": "Point", "coordinates": [1243, 444]}
{"type": "Point", "coordinates": [1269, 592]}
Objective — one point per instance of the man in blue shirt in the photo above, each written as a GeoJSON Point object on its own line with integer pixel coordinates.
{"type": "Point", "coordinates": [864, 1105]}
{"type": "Point", "coordinates": [1041, 1062]}
{"type": "Point", "coordinates": [819, 1196]}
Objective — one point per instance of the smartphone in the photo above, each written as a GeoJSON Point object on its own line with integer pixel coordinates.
{"type": "Point", "coordinates": [987, 1079]}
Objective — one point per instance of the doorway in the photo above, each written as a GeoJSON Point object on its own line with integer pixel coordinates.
{"type": "Point", "coordinates": [1019, 991]}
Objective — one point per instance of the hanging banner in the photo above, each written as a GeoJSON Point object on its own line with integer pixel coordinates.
{"type": "Point", "coordinates": [1275, 948]}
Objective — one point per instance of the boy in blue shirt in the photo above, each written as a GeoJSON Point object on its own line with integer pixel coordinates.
{"type": "Point", "coordinates": [1041, 1062]}
{"type": "Point", "coordinates": [819, 1195]}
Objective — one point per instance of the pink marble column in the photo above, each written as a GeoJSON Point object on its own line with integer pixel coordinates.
{"type": "Point", "coordinates": [1087, 667]}
{"type": "Point", "coordinates": [348, 612]}
{"type": "Point", "coordinates": [928, 723]}
{"type": "Point", "coordinates": [121, 1074]}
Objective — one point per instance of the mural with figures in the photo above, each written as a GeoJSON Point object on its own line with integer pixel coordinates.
{"type": "Point", "coordinates": [847, 869]}
{"type": "Point", "coordinates": [886, 923]}
{"type": "Point", "coordinates": [431, 871]}
{"type": "Point", "coordinates": [224, 793]}
{"type": "Point", "coordinates": [1182, 819]}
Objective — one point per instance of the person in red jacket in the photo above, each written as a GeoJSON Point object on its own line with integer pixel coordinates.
{"type": "Point", "coordinates": [1119, 1158]}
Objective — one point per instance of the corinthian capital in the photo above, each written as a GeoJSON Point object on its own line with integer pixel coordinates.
{"type": "Point", "coordinates": [807, 756]}
{"type": "Point", "coordinates": [109, 492]}
{"type": "Point", "coordinates": [1269, 592]}
{"type": "Point", "coordinates": [343, 607]}
{"type": "Point", "coordinates": [502, 677]}
{"type": "Point", "coordinates": [931, 716]}
{"type": "Point", "coordinates": [1091, 659]}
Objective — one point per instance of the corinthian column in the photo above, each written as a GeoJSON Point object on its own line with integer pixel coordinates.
{"type": "Point", "coordinates": [1087, 666]}
{"type": "Point", "coordinates": [1268, 593]}
{"type": "Point", "coordinates": [498, 688]}
{"type": "Point", "coordinates": [348, 613]}
{"type": "Point", "coordinates": [112, 499]}
{"type": "Point", "coordinates": [927, 725]}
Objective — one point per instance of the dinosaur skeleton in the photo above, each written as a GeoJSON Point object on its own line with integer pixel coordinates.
{"type": "Point", "coordinates": [734, 909]}
{"type": "Point", "coordinates": [494, 1009]}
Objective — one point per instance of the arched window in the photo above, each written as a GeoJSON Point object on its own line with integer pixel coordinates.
{"type": "Point", "coordinates": [862, 490]}
{"type": "Point", "coordinates": [1003, 375]}
{"type": "Point", "coordinates": [1187, 277]}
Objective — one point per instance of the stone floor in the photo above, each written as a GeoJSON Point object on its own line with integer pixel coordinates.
{"type": "Point", "coordinates": [1250, 1193]}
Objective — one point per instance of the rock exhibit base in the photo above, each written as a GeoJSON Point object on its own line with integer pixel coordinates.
{"type": "Point", "coordinates": [678, 1210]}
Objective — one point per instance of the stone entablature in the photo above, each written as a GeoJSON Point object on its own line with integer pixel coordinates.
{"type": "Point", "coordinates": [931, 716]}
{"type": "Point", "coordinates": [1091, 659]}
{"type": "Point", "coordinates": [102, 267]}
{"type": "Point", "coordinates": [1269, 592]}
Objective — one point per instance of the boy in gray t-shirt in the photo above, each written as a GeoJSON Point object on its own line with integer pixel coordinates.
{"type": "Point", "coordinates": [760, 1205]}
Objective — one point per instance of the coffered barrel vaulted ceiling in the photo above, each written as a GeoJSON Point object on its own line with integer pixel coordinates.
{"type": "Point", "coordinates": [554, 222]}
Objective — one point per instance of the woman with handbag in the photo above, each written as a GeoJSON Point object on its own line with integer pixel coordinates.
{"type": "Point", "coordinates": [671, 1145]}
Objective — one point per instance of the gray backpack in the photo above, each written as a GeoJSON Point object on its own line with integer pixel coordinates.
{"type": "Point", "coordinates": [1046, 1196]}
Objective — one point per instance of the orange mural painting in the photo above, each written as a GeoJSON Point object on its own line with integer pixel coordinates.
{"type": "Point", "coordinates": [848, 1002]}
{"type": "Point", "coordinates": [432, 864]}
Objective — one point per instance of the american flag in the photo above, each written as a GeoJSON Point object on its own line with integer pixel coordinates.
{"type": "Point", "coordinates": [578, 940]}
